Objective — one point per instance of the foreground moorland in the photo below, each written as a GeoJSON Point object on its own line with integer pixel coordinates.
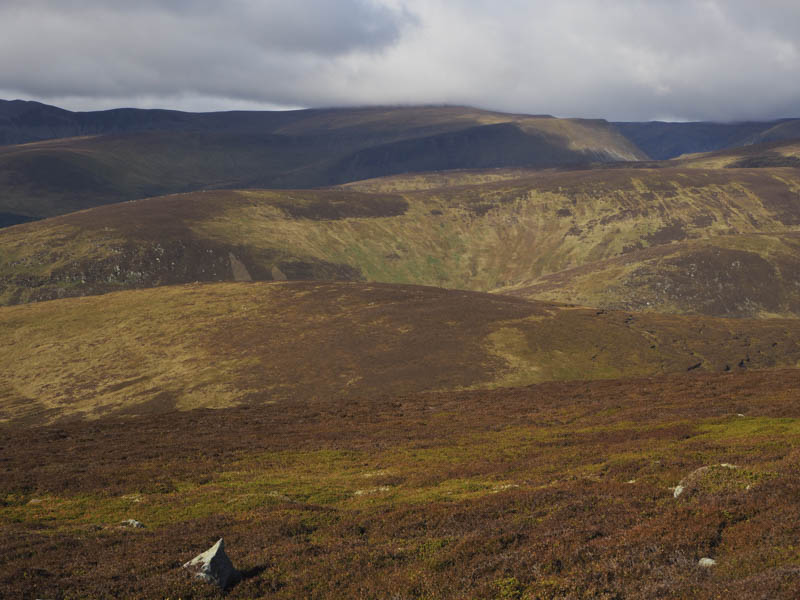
{"type": "Point", "coordinates": [359, 440]}
{"type": "Point", "coordinates": [559, 490]}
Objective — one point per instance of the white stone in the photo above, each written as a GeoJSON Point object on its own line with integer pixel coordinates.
{"type": "Point", "coordinates": [375, 490]}
{"type": "Point", "coordinates": [214, 566]}
{"type": "Point", "coordinates": [706, 562]}
{"type": "Point", "coordinates": [678, 490]}
{"type": "Point", "coordinates": [132, 523]}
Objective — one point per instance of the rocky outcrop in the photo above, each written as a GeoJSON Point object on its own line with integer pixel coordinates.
{"type": "Point", "coordinates": [214, 566]}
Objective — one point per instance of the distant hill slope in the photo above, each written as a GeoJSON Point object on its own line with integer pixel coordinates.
{"type": "Point", "coordinates": [129, 154]}
{"type": "Point", "coordinates": [783, 153]}
{"type": "Point", "coordinates": [500, 229]}
{"type": "Point", "coordinates": [662, 140]}
{"type": "Point", "coordinates": [219, 345]}
{"type": "Point", "coordinates": [737, 275]}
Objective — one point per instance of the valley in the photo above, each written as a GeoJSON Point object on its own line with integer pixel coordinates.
{"type": "Point", "coordinates": [410, 352]}
{"type": "Point", "coordinates": [669, 239]}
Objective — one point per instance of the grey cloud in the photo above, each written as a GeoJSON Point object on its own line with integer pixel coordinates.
{"type": "Point", "coordinates": [625, 60]}
{"type": "Point", "coordinates": [70, 47]}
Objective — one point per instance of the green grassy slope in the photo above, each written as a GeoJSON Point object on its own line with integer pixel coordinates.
{"type": "Point", "coordinates": [732, 275]}
{"type": "Point", "coordinates": [506, 228]}
{"type": "Point", "coordinates": [232, 343]}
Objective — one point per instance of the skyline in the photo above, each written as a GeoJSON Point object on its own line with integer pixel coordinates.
{"type": "Point", "coordinates": [628, 61]}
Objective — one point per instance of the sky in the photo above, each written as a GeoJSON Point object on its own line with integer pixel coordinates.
{"type": "Point", "coordinates": [623, 60]}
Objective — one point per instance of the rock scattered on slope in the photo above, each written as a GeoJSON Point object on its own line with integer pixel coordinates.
{"type": "Point", "coordinates": [694, 479]}
{"type": "Point", "coordinates": [706, 562]}
{"type": "Point", "coordinates": [214, 566]}
{"type": "Point", "coordinates": [132, 523]}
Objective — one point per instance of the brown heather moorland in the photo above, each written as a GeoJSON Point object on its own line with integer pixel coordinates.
{"type": "Point", "coordinates": [327, 432]}
{"type": "Point", "coordinates": [218, 345]}
{"type": "Point", "coordinates": [558, 490]}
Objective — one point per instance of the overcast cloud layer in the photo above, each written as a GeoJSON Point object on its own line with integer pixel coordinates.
{"type": "Point", "coordinates": [620, 59]}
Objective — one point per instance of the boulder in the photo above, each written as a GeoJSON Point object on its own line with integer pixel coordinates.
{"type": "Point", "coordinates": [706, 562]}
{"type": "Point", "coordinates": [214, 566]}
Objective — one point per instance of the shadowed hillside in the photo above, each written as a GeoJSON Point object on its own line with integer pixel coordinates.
{"type": "Point", "coordinates": [226, 344]}
{"type": "Point", "coordinates": [178, 152]}
{"type": "Point", "coordinates": [660, 140]}
{"type": "Point", "coordinates": [504, 228]}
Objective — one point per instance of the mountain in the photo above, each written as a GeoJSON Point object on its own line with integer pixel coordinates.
{"type": "Point", "coordinates": [262, 364]}
{"type": "Point", "coordinates": [129, 154]}
{"type": "Point", "coordinates": [665, 140]}
{"type": "Point", "coordinates": [26, 121]}
{"type": "Point", "coordinates": [56, 161]}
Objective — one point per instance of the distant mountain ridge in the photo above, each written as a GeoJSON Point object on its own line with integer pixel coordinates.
{"type": "Point", "coordinates": [24, 121]}
{"type": "Point", "coordinates": [54, 161]}
{"type": "Point", "coordinates": [127, 154]}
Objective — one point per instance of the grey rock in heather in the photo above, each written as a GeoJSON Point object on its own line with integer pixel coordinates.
{"type": "Point", "coordinates": [214, 566]}
{"type": "Point", "coordinates": [697, 475]}
{"type": "Point", "coordinates": [133, 523]}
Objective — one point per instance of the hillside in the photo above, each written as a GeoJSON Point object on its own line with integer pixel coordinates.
{"type": "Point", "coordinates": [27, 121]}
{"type": "Point", "coordinates": [768, 154]}
{"type": "Point", "coordinates": [664, 140]}
{"type": "Point", "coordinates": [499, 229]}
{"type": "Point", "coordinates": [728, 275]}
{"type": "Point", "coordinates": [129, 353]}
{"type": "Point", "coordinates": [298, 149]}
